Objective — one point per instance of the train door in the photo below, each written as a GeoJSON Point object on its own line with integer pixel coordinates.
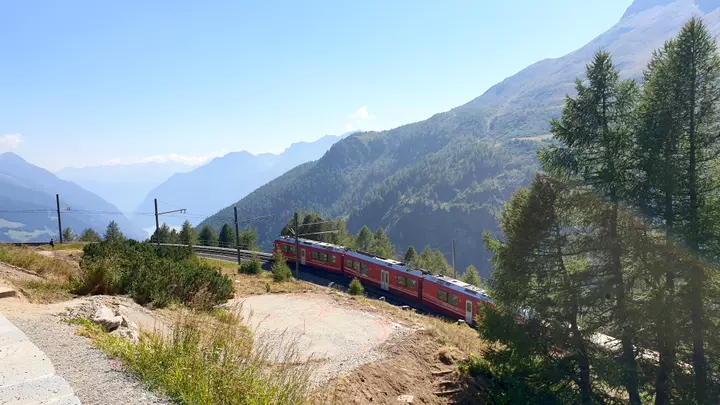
{"type": "Point", "coordinates": [302, 256]}
{"type": "Point", "coordinates": [384, 279]}
{"type": "Point", "coordinates": [468, 312]}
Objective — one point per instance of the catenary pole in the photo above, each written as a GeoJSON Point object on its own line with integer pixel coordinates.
{"type": "Point", "coordinates": [57, 200]}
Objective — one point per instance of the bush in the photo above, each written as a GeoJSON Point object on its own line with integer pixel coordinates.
{"type": "Point", "coordinates": [356, 287]}
{"type": "Point", "coordinates": [280, 269]}
{"type": "Point", "coordinates": [251, 267]}
{"type": "Point", "coordinates": [151, 274]}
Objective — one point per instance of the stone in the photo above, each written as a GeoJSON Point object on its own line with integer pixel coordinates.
{"type": "Point", "coordinates": [127, 333]}
{"type": "Point", "coordinates": [7, 292]}
{"type": "Point", "coordinates": [105, 317]}
{"type": "Point", "coordinates": [406, 399]}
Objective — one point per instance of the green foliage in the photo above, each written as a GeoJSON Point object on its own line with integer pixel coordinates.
{"type": "Point", "coordinates": [207, 236]}
{"type": "Point", "coordinates": [471, 276]}
{"type": "Point", "coordinates": [364, 240]}
{"type": "Point", "coordinates": [188, 235]}
{"type": "Point", "coordinates": [381, 245]}
{"type": "Point", "coordinates": [410, 255]}
{"type": "Point", "coordinates": [433, 261]}
{"type": "Point", "coordinates": [356, 287]}
{"type": "Point", "coordinates": [69, 235]}
{"type": "Point", "coordinates": [227, 236]}
{"type": "Point", "coordinates": [248, 239]}
{"type": "Point", "coordinates": [151, 274]}
{"type": "Point", "coordinates": [280, 270]}
{"type": "Point", "coordinates": [252, 266]}
{"type": "Point", "coordinates": [113, 234]}
{"type": "Point", "coordinates": [89, 235]}
{"type": "Point", "coordinates": [164, 234]}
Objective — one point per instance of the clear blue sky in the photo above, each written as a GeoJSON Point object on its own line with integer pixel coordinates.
{"type": "Point", "coordinates": [89, 82]}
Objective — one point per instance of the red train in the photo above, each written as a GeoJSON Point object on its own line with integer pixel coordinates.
{"type": "Point", "coordinates": [441, 294]}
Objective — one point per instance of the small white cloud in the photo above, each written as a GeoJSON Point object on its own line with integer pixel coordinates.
{"type": "Point", "coordinates": [362, 114]}
{"type": "Point", "coordinates": [349, 127]}
{"type": "Point", "coordinates": [192, 160]}
{"type": "Point", "coordinates": [10, 141]}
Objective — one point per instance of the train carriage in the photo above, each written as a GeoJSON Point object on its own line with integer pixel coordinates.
{"type": "Point", "coordinates": [319, 255]}
{"type": "Point", "coordinates": [454, 298]}
{"type": "Point", "coordinates": [389, 275]}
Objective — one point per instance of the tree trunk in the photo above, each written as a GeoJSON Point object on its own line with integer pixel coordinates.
{"type": "Point", "coordinates": [582, 356]}
{"type": "Point", "coordinates": [628, 352]}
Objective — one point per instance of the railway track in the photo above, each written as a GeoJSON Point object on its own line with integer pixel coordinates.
{"type": "Point", "coordinates": [228, 254]}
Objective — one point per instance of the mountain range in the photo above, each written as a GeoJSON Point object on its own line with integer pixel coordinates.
{"type": "Point", "coordinates": [208, 188]}
{"type": "Point", "coordinates": [448, 176]}
{"type": "Point", "coordinates": [28, 204]}
{"type": "Point", "coordinates": [126, 185]}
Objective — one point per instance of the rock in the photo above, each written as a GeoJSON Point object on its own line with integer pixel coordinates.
{"type": "Point", "coordinates": [405, 308]}
{"type": "Point", "coordinates": [126, 333]}
{"type": "Point", "coordinates": [382, 298]}
{"type": "Point", "coordinates": [106, 317]}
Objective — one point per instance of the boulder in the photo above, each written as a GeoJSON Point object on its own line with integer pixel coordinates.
{"type": "Point", "coordinates": [127, 333]}
{"type": "Point", "coordinates": [105, 317]}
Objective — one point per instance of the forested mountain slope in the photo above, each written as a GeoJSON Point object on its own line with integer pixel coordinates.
{"type": "Point", "coordinates": [446, 177]}
{"type": "Point", "coordinates": [25, 187]}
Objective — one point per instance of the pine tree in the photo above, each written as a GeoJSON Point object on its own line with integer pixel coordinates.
{"type": "Point", "coordinates": [471, 276]}
{"type": "Point", "coordinates": [440, 264]}
{"type": "Point", "coordinates": [227, 236]}
{"type": "Point", "coordinates": [90, 235]}
{"type": "Point", "coordinates": [68, 235]}
{"type": "Point", "coordinates": [248, 239]}
{"type": "Point", "coordinates": [113, 234]}
{"type": "Point", "coordinates": [364, 239]}
{"type": "Point", "coordinates": [174, 237]}
{"type": "Point", "coordinates": [207, 236]}
{"type": "Point", "coordinates": [381, 244]}
{"type": "Point", "coordinates": [341, 237]}
{"type": "Point", "coordinates": [410, 256]}
{"type": "Point", "coordinates": [161, 234]}
{"type": "Point", "coordinates": [596, 134]}
{"type": "Point", "coordinates": [188, 234]}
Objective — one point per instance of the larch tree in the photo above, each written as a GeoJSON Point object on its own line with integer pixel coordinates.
{"type": "Point", "coordinates": [471, 276]}
{"type": "Point", "coordinates": [596, 130]}
{"type": "Point", "coordinates": [68, 235]}
{"type": "Point", "coordinates": [113, 233]}
{"type": "Point", "coordinates": [364, 239]}
{"type": "Point", "coordinates": [410, 256]}
{"type": "Point", "coordinates": [188, 234]}
{"type": "Point", "coordinates": [227, 236]}
{"type": "Point", "coordinates": [381, 245]}
{"type": "Point", "coordinates": [207, 236]}
{"type": "Point", "coordinates": [90, 235]}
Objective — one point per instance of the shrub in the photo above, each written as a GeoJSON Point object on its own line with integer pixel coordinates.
{"type": "Point", "coordinates": [251, 267]}
{"type": "Point", "coordinates": [280, 269]}
{"type": "Point", "coordinates": [356, 287]}
{"type": "Point", "coordinates": [151, 274]}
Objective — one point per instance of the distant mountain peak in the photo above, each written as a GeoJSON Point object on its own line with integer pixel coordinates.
{"type": "Point", "coordinates": [639, 6]}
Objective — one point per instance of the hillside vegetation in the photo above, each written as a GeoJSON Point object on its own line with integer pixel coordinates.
{"type": "Point", "coordinates": [447, 177]}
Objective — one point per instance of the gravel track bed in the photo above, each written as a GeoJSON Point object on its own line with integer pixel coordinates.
{"type": "Point", "coordinates": [94, 378]}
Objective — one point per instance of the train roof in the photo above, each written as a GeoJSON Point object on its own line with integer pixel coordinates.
{"type": "Point", "coordinates": [459, 286]}
{"type": "Point", "coordinates": [393, 264]}
{"type": "Point", "coordinates": [310, 242]}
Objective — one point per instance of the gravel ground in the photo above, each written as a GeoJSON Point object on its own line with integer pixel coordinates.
{"type": "Point", "coordinates": [95, 379]}
{"type": "Point", "coordinates": [335, 339]}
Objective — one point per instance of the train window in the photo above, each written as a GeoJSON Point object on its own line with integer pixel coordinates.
{"type": "Point", "coordinates": [442, 295]}
{"type": "Point", "coordinates": [452, 299]}
{"type": "Point", "coordinates": [348, 263]}
{"type": "Point", "coordinates": [401, 281]}
{"type": "Point", "coordinates": [356, 265]}
{"type": "Point", "coordinates": [315, 255]}
{"type": "Point", "coordinates": [332, 258]}
{"type": "Point", "coordinates": [323, 257]}
{"type": "Point", "coordinates": [412, 283]}
{"type": "Point", "coordinates": [288, 249]}
{"type": "Point", "coordinates": [363, 269]}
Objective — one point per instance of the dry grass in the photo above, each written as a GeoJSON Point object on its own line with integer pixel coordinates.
{"type": "Point", "coordinates": [249, 284]}
{"type": "Point", "coordinates": [43, 291]}
{"type": "Point", "coordinates": [31, 260]}
{"type": "Point", "coordinates": [211, 359]}
{"type": "Point", "coordinates": [77, 246]}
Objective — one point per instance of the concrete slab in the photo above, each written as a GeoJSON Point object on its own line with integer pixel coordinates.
{"type": "Point", "coordinates": [26, 374]}
{"type": "Point", "coordinates": [7, 292]}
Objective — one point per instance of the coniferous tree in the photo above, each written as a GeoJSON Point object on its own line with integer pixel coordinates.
{"type": "Point", "coordinates": [188, 235]}
{"type": "Point", "coordinates": [162, 234]}
{"type": "Point", "coordinates": [596, 134]}
{"type": "Point", "coordinates": [381, 244]}
{"type": "Point", "coordinates": [248, 239]}
{"type": "Point", "coordinates": [68, 235]}
{"type": "Point", "coordinates": [227, 236]}
{"type": "Point", "coordinates": [113, 234]}
{"type": "Point", "coordinates": [174, 237]}
{"type": "Point", "coordinates": [207, 236]}
{"type": "Point", "coordinates": [90, 235]}
{"type": "Point", "coordinates": [364, 239]}
{"type": "Point", "coordinates": [410, 256]}
{"type": "Point", "coordinates": [471, 276]}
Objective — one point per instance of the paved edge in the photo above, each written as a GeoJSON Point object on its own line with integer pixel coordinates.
{"type": "Point", "coordinates": [27, 375]}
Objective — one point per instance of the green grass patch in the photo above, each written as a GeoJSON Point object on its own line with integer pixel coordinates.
{"type": "Point", "coordinates": [45, 291]}
{"type": "Point", "coordinates": [209, 358]}
{"type": "Point", "coordinates": [31, 260]}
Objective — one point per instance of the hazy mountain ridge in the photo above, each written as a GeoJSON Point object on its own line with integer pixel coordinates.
{"type": "Point", "coordinates": [364, 177]}
{"type": "Point", "coordinates": [24, 186]}
{"type": "Point", "coordinates": [208, 188]}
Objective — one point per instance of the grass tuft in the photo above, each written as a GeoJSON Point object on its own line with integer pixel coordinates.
{"type": "Point", "coordinates": [44, 291]}
{"type": "Point", "coordinates": [33, 261]}
{"type": "Point", "coordinates": [210, 359]}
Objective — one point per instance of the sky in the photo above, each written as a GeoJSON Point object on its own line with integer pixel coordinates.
{"type": "Point", "coordinates": [87, 82]}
